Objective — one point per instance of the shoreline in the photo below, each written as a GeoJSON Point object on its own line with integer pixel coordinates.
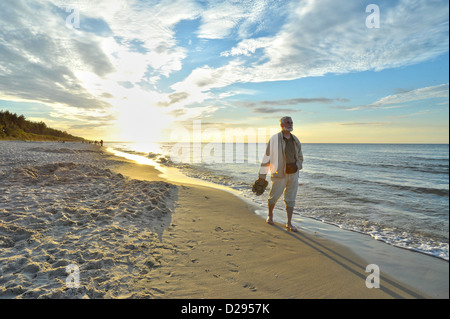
{"type": "Point", "coordinates": [134, 233]}
{"type": "Point", "coordinates": [409, 282]}
{"type": "Point", "coordinates": [346, 212]}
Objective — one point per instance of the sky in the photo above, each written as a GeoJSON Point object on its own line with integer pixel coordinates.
{"type": "Point", "coordinates": [360, 71]}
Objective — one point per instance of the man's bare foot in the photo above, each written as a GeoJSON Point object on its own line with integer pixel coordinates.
{"type": "Point", "coordinates": [269, 221]}
{"type": "Point", "coordinates": [291, 228]}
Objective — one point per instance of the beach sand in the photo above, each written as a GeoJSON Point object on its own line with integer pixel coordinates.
{"type": "Point", "coordinates": [128, 233]}
{"type": "Point", "coordinates": [224, 250]}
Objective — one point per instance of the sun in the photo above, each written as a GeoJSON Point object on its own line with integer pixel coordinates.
{"type": "Point", "coordinates": [143, 123]}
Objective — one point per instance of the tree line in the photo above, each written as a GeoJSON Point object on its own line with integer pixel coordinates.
{"type": "Point", "coordinates": [13, 126]}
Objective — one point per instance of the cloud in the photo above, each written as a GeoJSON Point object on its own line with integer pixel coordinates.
{"type": "Point", "coordinates": [188, 113]}
{"type": "Point", "coordinates": [126, 58]}
{"type": "Point", "coordinates": [175, 98]}
{"type": "Point", "coordinates": [93, 57]}
{"type": "Point", "coordinates": [296, 101]}
{"type": "Point", "coordinates": [247, 47]}
{"type": "Point", "coordinates": [272, 106]}
{"type": "Point", "coordinates": [274, 110]}
{"type": "Point", "coordinates": [431, 92]}
{"type": "Point", "coordinates": [36, 63]}
{"type": "Point", "coordinates": [40, 78]}
{"type": "Point", "coordinates": [45, 59]}
{"type": "Point", "coordinates": [241, 19]}
{"type": "Point", "coordinates": [404, 97]}
{"type": "Point", "coordinates": [327, 36]}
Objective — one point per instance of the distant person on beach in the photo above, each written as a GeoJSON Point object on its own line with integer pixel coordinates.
{"type": "Point", "coordinates": [284, 159]}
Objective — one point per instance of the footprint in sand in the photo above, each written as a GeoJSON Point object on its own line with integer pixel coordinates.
{"type": "Point", "coordinates": [235, 268]}
{"type": "Point", "coordinates": [250, 286]}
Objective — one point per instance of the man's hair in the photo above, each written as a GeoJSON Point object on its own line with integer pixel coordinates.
{"type": "Point", "coordinates": [284, 118]}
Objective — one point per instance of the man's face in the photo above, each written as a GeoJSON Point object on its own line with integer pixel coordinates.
{"type": "Point", "coordinates": [287, 125]}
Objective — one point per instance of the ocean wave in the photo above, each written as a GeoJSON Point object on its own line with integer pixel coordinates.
{"type": "Point", "coordinates": [430, 168]}
{"type": "Point", "coordinates": [395, 236]}
{"type": "Point", "coordinates": [358, 182]}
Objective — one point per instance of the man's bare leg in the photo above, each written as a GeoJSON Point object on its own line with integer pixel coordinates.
{"type": "Point", "coordinates": [289, 212]}
{"type": "Point", "coordinates": [270, 216]}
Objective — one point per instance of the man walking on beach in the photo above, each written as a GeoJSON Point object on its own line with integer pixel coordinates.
{"type": "Point", "coordinates": [284, 159]}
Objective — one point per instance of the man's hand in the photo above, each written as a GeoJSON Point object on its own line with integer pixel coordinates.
{"type": "Point", "coordinates": [259, 186]}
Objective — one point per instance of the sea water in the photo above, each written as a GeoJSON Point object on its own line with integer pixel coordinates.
{"type": "Point", "coordinates": [395, 193]}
